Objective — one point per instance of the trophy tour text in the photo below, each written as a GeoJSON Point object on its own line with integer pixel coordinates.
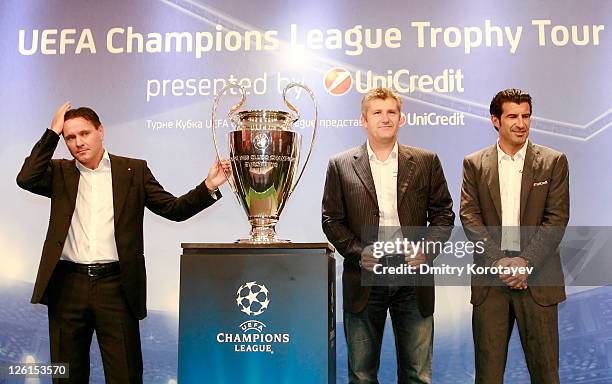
{"type": "Point", "coordinates": [352, 41]}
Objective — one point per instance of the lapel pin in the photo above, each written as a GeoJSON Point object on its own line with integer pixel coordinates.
{"type": "Point", "coordinates": [537, 184]}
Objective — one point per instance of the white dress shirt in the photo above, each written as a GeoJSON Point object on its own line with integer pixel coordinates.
{"type": "Point", "coordinates": [510, 175]}
{"type": "Point", "coordinates": [384, 174]}
{"type": "Point", "coordinates": [91, 237]}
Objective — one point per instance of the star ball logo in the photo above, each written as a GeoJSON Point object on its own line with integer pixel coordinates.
{"type": "Point", "coordinates": [338, 81]}
{"type": "Point", "coordinates": [261, 141]}
{"type": "Point", "coordinates": [252, 298]}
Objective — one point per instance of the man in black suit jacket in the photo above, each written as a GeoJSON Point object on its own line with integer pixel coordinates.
{"type": "Point", "coordinates": [387, 184]}
{"type": "Point", "coordinates": [92, 270]}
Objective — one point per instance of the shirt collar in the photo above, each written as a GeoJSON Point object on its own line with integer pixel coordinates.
{"type": "Point", "coordinates": [104, 164]}
{"type": "Point", "coordinates": [392, 155]}
{"type": "Point", "coordinates": [520, 155]}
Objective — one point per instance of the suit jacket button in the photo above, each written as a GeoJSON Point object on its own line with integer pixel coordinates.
{"type": "Point", "coordinates": [59, 243]}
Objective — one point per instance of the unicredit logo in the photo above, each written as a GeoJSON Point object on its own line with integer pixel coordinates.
{"type": "Point", "coordinates": [338, 81]}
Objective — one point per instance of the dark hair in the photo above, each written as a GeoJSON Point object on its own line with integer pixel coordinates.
{"type": "Point", "coordinates": [85, 113]}
{"type": "Point", "coordinates": [512, 95]}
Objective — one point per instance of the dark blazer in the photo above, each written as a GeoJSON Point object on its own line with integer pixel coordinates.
{"type": "Point", "coordinates": [134, 188]}
{"type": "Point", "coordinates": [350, 204]}
{"type": "Point", "coordinates": [544, 213]}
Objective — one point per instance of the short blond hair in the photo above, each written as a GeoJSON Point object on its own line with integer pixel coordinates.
{"type": "Point", "coordinates": [379, 93]}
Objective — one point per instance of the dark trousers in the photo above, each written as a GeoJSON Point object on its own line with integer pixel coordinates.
{"type": "Point", "coordinates": [413, 337]}
{"type": "Point", "coordinates": [492, 323]}
{"type": "Point", "coordinates": [79, 305]}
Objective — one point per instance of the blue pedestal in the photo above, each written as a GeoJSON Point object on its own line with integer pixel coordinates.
{"type": "Point", "coordinates": [257, 314]}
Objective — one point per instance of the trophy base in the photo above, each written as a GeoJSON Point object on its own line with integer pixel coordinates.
{"type": "Point", "coordinates": [263, 234]}
{"type": "Point", "coordinates": [257, 241]}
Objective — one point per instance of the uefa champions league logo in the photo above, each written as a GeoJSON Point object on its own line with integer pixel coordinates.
{"type": "Point", "coordinates": [261, 141]}
{"type": "Point", "coordinates": [254, 336]}
{"type": "Point", "coordinates": [252, 298]}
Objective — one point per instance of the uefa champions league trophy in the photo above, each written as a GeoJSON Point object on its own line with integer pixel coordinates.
{"type": "Point", "coordinates": [264, 152]}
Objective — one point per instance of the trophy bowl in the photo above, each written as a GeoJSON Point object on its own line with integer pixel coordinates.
{"type": "Point", "coordinates": [264, 153]}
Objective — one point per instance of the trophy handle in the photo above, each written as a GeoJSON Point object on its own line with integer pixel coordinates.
{"type": "Point", "coordinates": [232, 116]}
{"type": "Point", "coordinates": [296, 117]}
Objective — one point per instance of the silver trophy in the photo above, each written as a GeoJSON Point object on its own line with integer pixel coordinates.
{"type": "Point", "coordinates": [264, 152]}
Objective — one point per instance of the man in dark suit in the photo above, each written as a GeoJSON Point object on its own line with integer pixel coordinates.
{"type": "Point", "coordinates": [376, 185]}
{"type": "Point", "coordinates": [92, 270]}
{"type": "Point", "coordinates": [515, 198]}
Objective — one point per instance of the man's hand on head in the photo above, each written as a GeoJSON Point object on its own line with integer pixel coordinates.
{"type": "Point", "coordinates": [57, 124]}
